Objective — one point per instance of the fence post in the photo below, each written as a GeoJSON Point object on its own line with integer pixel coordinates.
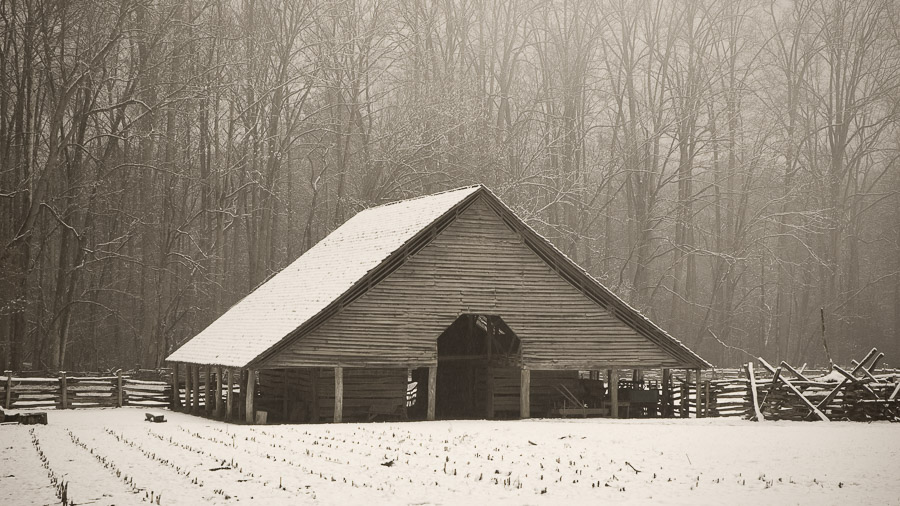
{"type": "Point", "coordinates": [64, 390]}
{"type": "Point", "coordinates": [706, 399]}
{"type": "Point", "coordinates": [119, 389]}
{"type": "Point", "coordinates": [8, 390]}
{"type": "Point", "coordinates": [176, 392]}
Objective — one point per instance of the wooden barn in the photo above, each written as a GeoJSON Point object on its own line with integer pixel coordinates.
{"type": "Point", "coordinates": [444, 306]}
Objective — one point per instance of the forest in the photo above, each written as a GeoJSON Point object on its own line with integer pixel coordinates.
{"type": "Point", "coordinates": [730, 168]}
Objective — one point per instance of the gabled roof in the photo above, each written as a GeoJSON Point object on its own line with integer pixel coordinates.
{"type": "Point", "coordinates": [319, 277]}
{"type": "Point", "coordinates": [356, 256]}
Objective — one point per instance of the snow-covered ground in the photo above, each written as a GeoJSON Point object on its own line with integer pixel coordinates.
{"type": "Point", "coordinates": [112, 456]}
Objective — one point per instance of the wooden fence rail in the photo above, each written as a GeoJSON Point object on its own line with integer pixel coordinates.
{"type": "Point", "coordinates": [70, 392]}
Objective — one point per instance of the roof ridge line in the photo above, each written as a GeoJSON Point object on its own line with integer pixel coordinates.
{"type": "Point", "coordinates": [410, 199]}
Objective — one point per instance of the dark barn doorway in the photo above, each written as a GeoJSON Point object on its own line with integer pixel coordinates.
{"type": "Point", "coordinates": [469, 353]}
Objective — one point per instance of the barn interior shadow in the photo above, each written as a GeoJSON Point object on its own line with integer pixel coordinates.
{"type": "Point", "coordinates": [470, 352]}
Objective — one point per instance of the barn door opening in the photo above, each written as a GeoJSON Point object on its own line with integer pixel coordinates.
{"type": "Point", "coordinates": [474, 353]}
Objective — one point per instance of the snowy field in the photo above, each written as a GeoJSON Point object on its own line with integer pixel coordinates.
{"type": "Point", "coordinates": [112, 456]}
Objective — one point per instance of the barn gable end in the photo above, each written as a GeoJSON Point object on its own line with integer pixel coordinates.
{"type": "Point", "coordinates": [477, 265]}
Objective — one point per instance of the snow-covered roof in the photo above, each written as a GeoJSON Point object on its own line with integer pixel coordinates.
{"type": "Point", "coordinates": [316, 279]}
{"type": "Point", "coordinates": [344, 264]}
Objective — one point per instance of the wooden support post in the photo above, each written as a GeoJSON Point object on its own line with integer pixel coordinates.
{"type": "Point", "coordinates": [432, 391]}
{"type": "Point", "coordinates": [525, 394]}
{"type": "Point", "coordinates": [207, 390]}
{"type": "Point", "coordinates": [489, 392]}
{"type": "Point", "coordinates": [614, 393]}
{"type": "Point", "coordinates": [666, 408]}
{"type": "Point", "coordinates": [6, 405]}
{"type": "Point", "coordinates": [240, 405]}
{"type": "Point", "coordinates": [219, 387]}
{"type": "Point", "coordinates": [284, 395]}
{"type": "Point", "coordinates": [229, 396]}
{"type": "Point", "coordinates": [706, 399]}
{"type": "Point", "coordinates": [195, 383]}
{"type": "Point", "coordinates": [338, 394]}
{"type": "Point", "coordinates": [249, 410]}
{"type": "Point", "coordinates": [698, 396]}
{"type": "Point", "coordinates": [176, 394]}
{"type": "Point", "coordinates": [188, 390]}
{"type": "Point", "coordinates": [314, 387]}
{"type": "Point", "coordinates": [63, 390]}
{"type": "Point", "coordinates": [119, 389]}
{"type": "Point", "coordinates": [686, 394]}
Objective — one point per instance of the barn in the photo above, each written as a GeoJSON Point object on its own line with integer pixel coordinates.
{"type": "Point", "coordinates": [442, 306]}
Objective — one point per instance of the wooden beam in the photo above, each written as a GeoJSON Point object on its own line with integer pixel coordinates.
{"type": "Point", "coordinates": [525, 394]}
{"type": "Point", "coordinates": [754, 396]}
{"type": "Point", "coordinates": [338, 394]}
{"type": "Point", "coordinates": [219, 388]}
{"type": "Point", "coordinates": [432, 391]}
{"type": "Point", "coordinates": [614, 393]}
{"type": "Point", "coordinates": [176, 393]}
{"type": "Point", "coordinates": [229, 396]}
{"type": "Point", "coordinates": [795, 372]}
{"type": "Point", "coordinates": [868, 370]}
{"type": "Point", "coordinates": [862, 363]}
{"type": "Point", "coordinates": [875, 363]}
{"type": "Point", "coordinates": [462, 358]}
{"type": "Point", "coordinates": [250, 409]}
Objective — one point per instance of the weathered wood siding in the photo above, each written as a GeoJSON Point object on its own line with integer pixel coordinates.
{"type": "Point", "coordinates": [476, 265]}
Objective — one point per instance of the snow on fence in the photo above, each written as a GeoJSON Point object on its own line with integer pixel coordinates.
{"type": "Point", "coordinates": [860, 393]}
{"type": "Point", "coordinates": [78, 391]}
